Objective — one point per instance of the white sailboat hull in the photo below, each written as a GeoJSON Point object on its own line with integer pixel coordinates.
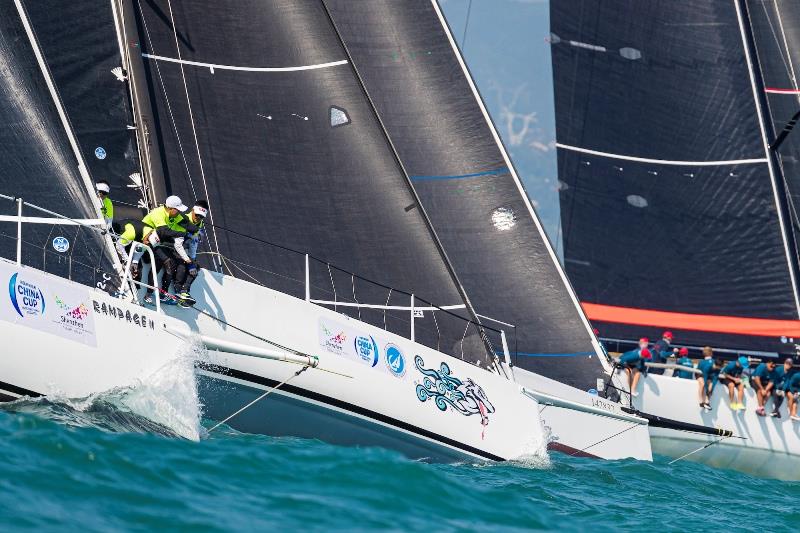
{"type": "Point", "coordinates": [352, 397]}
{"type": "Point", "coordinates": [69, 340]}
{"type": "Point", "coordinates": [586, 425]}
{"type": "Point", "coordinates": [770, 447]}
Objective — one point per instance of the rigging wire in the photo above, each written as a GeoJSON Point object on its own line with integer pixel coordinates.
{"type": "Point", "coordinates": [191, 120]}
{"type": "Point", "coordinates": [466, 25]}
{"type": "Point", "coordinates": [267, 393]}
{"type": "Point", "coordinates": [166, 100]}
{"type": "Point", "coordinates": [698, 450]}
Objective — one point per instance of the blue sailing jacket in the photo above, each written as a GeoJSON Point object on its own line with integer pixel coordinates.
{"type": "Point", "coordinates": [685, 374]}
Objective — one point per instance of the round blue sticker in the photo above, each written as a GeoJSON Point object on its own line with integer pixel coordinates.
{"type": "Point", "coordinates": [61, 244]}
{"type": "Point", "coordinates": [100, 152]}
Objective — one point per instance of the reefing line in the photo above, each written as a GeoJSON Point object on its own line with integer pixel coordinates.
{"type": "Point", "coordinates": [214, 66]}
{"type": "Point", "coordinates": [662, 161]}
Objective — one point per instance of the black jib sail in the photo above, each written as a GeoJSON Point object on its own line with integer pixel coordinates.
{"type": "Point", "coordinates": [80, 45]}
{"type": "Point", "coordinates": [259, 110]}
{"type": "Point", "coordinates": [671, 207]}
{"type": "Point", "coordinates": [434, 115]}
{"type": "Point", "coordinates": [40, 166]}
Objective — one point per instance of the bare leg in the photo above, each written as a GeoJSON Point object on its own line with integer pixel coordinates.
{"type": "Point", "coordinates": [701, 389]}
{"type": "Point", "coordinates": [730, 390]}
{"type": "Point", "coordinates": [636, 377]}
{"type": "Point", "coordinates": [740, 390]}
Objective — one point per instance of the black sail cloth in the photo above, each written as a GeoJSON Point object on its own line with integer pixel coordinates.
{"type": "Point", "coordinates": [776, 34]}
{"type": "Point", "coordinates": [686, 221]}
{"type": "Point", "coordinates": [259, 111]}
{"type": "Point", "coordinates": [434, 119]}
{"type": "Point", "coordinates": [40, 166]}
{"type": "Point", "coordinates": [79, 43]}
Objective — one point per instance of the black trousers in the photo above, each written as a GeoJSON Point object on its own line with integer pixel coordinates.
{"type": "Point", "coordinates": [184, 277]}
{"type": "Point", "coordinates": [166, 261]}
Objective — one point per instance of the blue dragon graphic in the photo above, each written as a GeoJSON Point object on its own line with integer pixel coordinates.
{"type": "Point", "coordinates": [465, 397]}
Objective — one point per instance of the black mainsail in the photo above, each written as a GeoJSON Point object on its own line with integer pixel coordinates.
{"type": "Point", "coordinates": [258, 109]}
{"type": "Point", "coordinates": [40, 166]}
{"type": "Point", "coordinates": [435, 118]}
{"type": "Point", "coordinates": [671, 204]}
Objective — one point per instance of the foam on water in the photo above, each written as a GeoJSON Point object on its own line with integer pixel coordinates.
{"type": "Point", "coordinates": [164, 403]}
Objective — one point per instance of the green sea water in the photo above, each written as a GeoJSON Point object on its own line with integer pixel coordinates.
{"type": "Point", "coordinates": [99, 467]}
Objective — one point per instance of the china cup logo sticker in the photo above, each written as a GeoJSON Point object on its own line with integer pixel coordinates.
{"type": "Point", "coordinates": [395, 361]}
{"type": "Point", "coordinates": [367, 350]}
{"type": "Point", "coordinates": [27, 298]}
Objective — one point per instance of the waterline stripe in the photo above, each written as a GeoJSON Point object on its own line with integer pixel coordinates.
{"type": "Point", "coordinates": [503, 170]}
{"type": "Point", "coordinates": [213, 66]}
{"type": "Point", "coordinates": [662, 161]}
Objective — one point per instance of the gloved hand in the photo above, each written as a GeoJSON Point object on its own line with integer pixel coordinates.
{"type": "Point", "coordinates": [134, 269]}
{"type": "Point", "coordinates": [193, 269]}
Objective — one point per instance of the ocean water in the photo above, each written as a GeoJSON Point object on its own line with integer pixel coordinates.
{"type": "Point", "coordinates": [97, 465]}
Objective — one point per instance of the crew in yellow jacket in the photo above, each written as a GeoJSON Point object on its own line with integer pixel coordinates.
{"type": "Point", "coordinates": [166, 221]}
{"type": "Point", "coordinates": [106, 206]}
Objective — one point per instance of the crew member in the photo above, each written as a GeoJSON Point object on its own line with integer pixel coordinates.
{"type": "Point", "coordinates": [780, 377]}
{"type": "Point", "coordinates": [684, 360]}
{"type": "Point", "coordinates": [763, 381]}
{"type": "Point", "coordinates": [166, 220]}
{"type": "Point", "coordinates": [792, 389]}
{"type": "Point", "coordinates": [634, 363]}
{"type": "Point", "coordinates": [731, 376]}
{"type": "Point", "coordinates": [662, 350]}
{"type": "Point", "coordinates": [128, 231]}
{"type": "Point", "coordinates": [106, 206]}
{"type": "Point", "coordinates": [709, 373]}
{"type": "Point", "coordinates": [186, 272]}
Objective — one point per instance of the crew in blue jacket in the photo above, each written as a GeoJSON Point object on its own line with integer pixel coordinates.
{"type": "Point", "coordinates": [708, 377]}
{"type": "Point", "coordinates": [684, 360]}
{"type": "Point", "coordinates": [779, 378]}
{"type": "Point", "coordinates": [731, 376]}
{"type": "Point", "coordinates": [791, 387]}
{"type": "Point", "coordinates": [763, 381]}
{"type": "Point", "coordinates": [662, 350]}
{"type": "Point", "coordinates": [633, 361]}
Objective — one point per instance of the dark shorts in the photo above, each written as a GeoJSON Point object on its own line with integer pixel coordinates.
{"type": "Point", "coordinates": [725, 381]}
